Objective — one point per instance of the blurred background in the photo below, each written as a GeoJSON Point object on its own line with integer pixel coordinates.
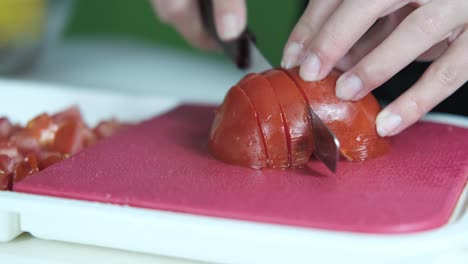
{"type": "Point", "coordinates": [121, 45]}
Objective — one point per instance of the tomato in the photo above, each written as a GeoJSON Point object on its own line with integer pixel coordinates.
{"type": "Point", "coordinates": [283, 106]}
{"type": "Point", "coordinates": [265, 103]}
{"type": "Point", "coordinates": [296, 117]}
{"type": "Point", "coordinates": [353, 123]}
{"type": "Point", "coordinates": [235, 136]}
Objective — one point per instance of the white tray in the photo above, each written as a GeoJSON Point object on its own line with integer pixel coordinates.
{"type": "Point", "coordinates": [190, 236]}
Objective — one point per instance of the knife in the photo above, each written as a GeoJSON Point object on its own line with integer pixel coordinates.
{"type": "Point", "coordinates": [242, 51]}
{"type": "Point", "coordinates": [245, 54]}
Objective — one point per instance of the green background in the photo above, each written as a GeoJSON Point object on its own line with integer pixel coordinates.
{"type": "Point", "coordinates": [271, 21]}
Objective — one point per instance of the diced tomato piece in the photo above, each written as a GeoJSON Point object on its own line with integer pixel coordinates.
{"type": "Point", "coordinates": [25, 142]}
{"type": "Point", "coordinates": [25, 168]}
{"type": "Point", "coordinates": [5, 128]}
{"type": "Point", "coordinates": [70, 114]}
{"type": "Point", "coordinates": [68, 138]}
{"type": "Point", "coordinates": [42, 128]}
{"type": "Point", "coordinates": [47, 159]}
{"type": "Point", "coordinates": [7, 165]}
{"type": "Point", "coordinates": [107, 128]}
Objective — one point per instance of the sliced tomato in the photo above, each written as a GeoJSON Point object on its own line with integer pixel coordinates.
{"type": "Point", "coordinates": [296, 116]}
{"type": "Point", "coordinates": [352, 122]}
{"type": "Point", "coordinates": [25, 168]}
{"type": "Point", "coordinates": [267, 107]}
{"type": "Point", "coordinates": [235, 135]}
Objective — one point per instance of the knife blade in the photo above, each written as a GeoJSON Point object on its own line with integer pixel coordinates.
{"type": "Point", "coordinates": [245, 54]}
{"type": "Point", "coordinates": [326, 144]}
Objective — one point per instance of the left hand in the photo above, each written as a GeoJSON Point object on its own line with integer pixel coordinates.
{"type": "Point", "coordinates": [372, 40]}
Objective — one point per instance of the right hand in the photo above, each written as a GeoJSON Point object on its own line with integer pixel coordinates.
{"type": "Point", "coordinates": [230, 17]}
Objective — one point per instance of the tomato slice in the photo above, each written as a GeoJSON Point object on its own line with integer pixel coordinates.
{"type": "Point", "coordinates": [235, 135]}
{"type": "Point", "coordinates": [352, 122]}
{"type": "Point", "coordinates": [266, 104]}
{"type": "Point", "coordinates": [295, 114]}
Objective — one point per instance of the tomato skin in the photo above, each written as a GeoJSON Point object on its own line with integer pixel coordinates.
{"type": "Point", "coordinates": [353, 123]}
{"type": "Point", "coordinates": [265, 103]}
{"type": "Point", "coordinates": [235, 135]}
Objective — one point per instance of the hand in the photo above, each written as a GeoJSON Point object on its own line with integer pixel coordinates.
{"type": "Point", "coordinates": [372, 40]}
{"type": "Point", "coordinates": [184, 15]}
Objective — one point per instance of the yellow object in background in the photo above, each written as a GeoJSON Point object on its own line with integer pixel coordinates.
{"type": "Point", "coordinates": [21, 21]}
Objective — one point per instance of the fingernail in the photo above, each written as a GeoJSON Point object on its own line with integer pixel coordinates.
{"type": "Point", "coordinates": [310, 68]}
{"type": "Point", "coordinates": [291, 53]}
{"type": "Point", "coordinates": [348, 87]}
{"type": "Point", "coordinates": [230, 26]}
{"type": "Point", "coordinates": [388, 123]}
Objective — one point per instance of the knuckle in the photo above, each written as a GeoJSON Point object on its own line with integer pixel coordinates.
{"type": "Point", "coordinates": [416, 106]}
{"type": "Point", "coordinates": [444, 74]}
{"type": "Point", "coordinates": [369, 74]}
{"type": "Point", "coordinates": [426, 23]}
{"type": "Point", "coordinates": [327, 45]}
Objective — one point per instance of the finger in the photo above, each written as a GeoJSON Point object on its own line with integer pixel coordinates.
{"type": "Point", "coordinates": [309, 24]}
{"type": "Point", "coordinates": [343, 29]}
{"type": "Point", "coordinates": [440, 80]}
{"type": "Point", "coordinates": [376, 35]}
{"type": "Point", "coordinates": [418, 32]}
{"type": "Point", "coordinates": [437, 50]}
{"type": "Point", "coordinates": [184, 16]}
{"type": "Point", "coordinates": [231, 18]}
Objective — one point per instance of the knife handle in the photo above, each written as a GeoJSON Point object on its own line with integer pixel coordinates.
{"type": "Point", "coordinates": [237, 49]}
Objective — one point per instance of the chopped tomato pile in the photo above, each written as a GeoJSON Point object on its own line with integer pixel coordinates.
{"type": "Point", "coordinates": [44, 141]}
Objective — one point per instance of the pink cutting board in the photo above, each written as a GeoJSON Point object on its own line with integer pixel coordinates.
{"type": "Point", "coordinates": [163, 164]}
